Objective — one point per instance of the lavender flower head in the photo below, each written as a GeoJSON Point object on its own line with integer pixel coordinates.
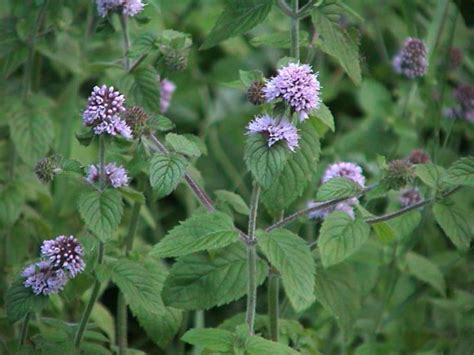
{"type": "Point", "coordinates": [409, 196]}
{"type": "Point", "coordinates": [298, 86]}
{"type": "Point", "coordinates": [114, 175]}
{"type": "Point", "coordinates": [275, 131]}
{"type": "Point", "coordinates": [126, 7]}
{"type": "Point", "coordinates": [103, 110]}
{"type": "Point", "coordinates": [464, 95]}
{"type": "Point", "coordinates": [167, 89]}
{"type": "Point", "coordinates": [44, 279]}
{"type": "Point", "coordinates": [411, 60]}
{"type": "Point", "coordinates": [64, 253]}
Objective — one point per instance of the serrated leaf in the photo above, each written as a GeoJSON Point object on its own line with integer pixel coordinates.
{"type": "Point", "coordinates": [456, 223]}
{"type": "Point", "coordinates": [256, 345]}
{"type": "Point", "coordinates": [166, 171]}
{"type": "Point", "coordinates": [325, 116]}
{"type": "Point", "coordinates": [461, 172]}
{"type": "Point", "coordinates": [430, 174]}
{"type": "Point", "coordinates": [264, 162]}
{"type": "Point", "coordinates": [160, 123]}
{"type": "Point", "coordinates": [201, 231]}
{"type": "Point", "coordinates": [279, 40]}
{"type": "Point", "coordinates": [238, 17]}
{"type": "Point", "coordinates": [336, 41]}
{"type": "Point", "coordinates": [234, 200]}
{"type": "Point", "coordinates": [32, 133]}
{"type": "Point", "coordinates": [145, 89]}
{"type": "Point", "coordinates": [101, 211]}
{"type": "Point", "coordinates": [339, 187]}
{"type": "Point", "coordinates": [341, 236]}
{"type": "Point", "coordinates": [404, 225]}
{"type": "Point", "coordinates": [211, 339]}
{"type": "Point", "coordinates": [294, 178]}
{"type": "Point", "coordinates": [248, 77]}
{"type": "Point", "coordinates": [183, 145]}
{"type": "Point", "coordinates": [19, 301]}
{"type": "Point", "coordinates": [337, 290]}
{"type": "Point", "coordinates": [203, 281]}
{"type": "Point", "coordinates": [291, 256]}
{"type": "Point", "coordinates": [423, 269]}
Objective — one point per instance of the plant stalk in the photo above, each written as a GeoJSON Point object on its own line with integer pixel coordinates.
{"type": "Point", "coordinates": [273, 303]}
{"type": "Point", "coordinates": [126, 41]}
{"type": "Point", "coordinates": [295, 30]}
{"type": "Point", "coordinates": [24, 330]}
{"type": "Point", "coordinates": [102, 176]}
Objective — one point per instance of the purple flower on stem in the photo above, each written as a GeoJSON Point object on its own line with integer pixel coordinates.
{"type": "Point", "coordinates": [464, 95]}
{"type": "Point", "coordinates": [411, 60]}
{"type": "Point", "coordinates": [64, 253]}
{"type": "Point", "coordinates": [115, 175]}
{"type": "Point", "coordinates": [44, 278]}
{"type": "Point", "coordinates": [298, 86]}
{"type": "Point", "coordinates": [275, 131]}
{"type": "Point", "coordinates": [409, 196]}
{"type": "Point", "coordinates": [126, 7]}
{"type": "Point", "coordinates": [103, 110]}
{"type": "Point", "coordinates": [322, 213]}
{"type": "Point", "coordinates": [167, 88]}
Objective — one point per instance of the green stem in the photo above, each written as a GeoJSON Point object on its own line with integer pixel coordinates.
{"type": "Point", "coordinates": [24, 330]}
{"type": "Point", "coordinates": [122, 324]}
{"type": "Point", "coordinates": [252, 261]}
{"type": "Point", "coordinates": [126, 40]}
{"type": "Point", "coordinates": [273, 303]}
{"type": "Point", "coordinates": [198, 323]}
{"type": "Point", "coordinates": [90, 305]}
{"type": "Point", "coordinates": [295, 30]}
{"type": "Point", "coordinates": [102, 177]}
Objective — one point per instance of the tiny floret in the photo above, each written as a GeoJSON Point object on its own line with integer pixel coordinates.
{"type": "Point", "coordinates": [64, 253]}
{"type": "Point", "coordinates": [126, 7]}
{"type": "Point", "coordinates": [43, 278]}
{"type": "Point", "coordinates": [275, 131]}
{"type": "Point", "coordinates": [418, 156]}
{"type": "Point", "coordinates": [411, 60]}
{"type": "Point", "coordinates": [167, 88]}
{"type": "Point", "coordinates": [298, 86]}
{"type": "Point", "coordinates": [343, 169]}
{"type": "Point", "coordinates": [409, 196]}
{"type": "Point", "coordinates": [116, 176]}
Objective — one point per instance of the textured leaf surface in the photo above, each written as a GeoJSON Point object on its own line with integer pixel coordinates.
{"type": "Point", "coordinates": [234, 200]}
{"type": "Point", "coordinates": [203, 281]}
{"type": "Point", "coordinates": [324, 114]}
{"type": "Point", "coordinates": [340, 237]}
{"type": "Point", "coordinates": [462, 172]}
{"type": "Point", "coordinates": [183, 145]}
{"type": "Point", "coordinates": [210, 339]}
{"type": "Point", "coordinates": [456, 223]}
{"type": "Point", "coordinates": [256, 345]}
{"type": "Point", "coordinates": [264, 162]}
{"type": "Point", "coordinates": [145, 89]}
{"type": "Point", "coordinates": [294, 178]}
{"type": "Point", "coordinates": [201, 231]}
{"type": "Point", "coordinates": [19, 301]}
{"type": "Point", "coordinates": [166, 171]}
{"type": "Point", "coordinates": [423, 269]}
{"type": "Point", "coordinates": [338, 187]}
{"type": "Point", "coordinates": [278, 40]}
{"type": "Point", "coordinates": [239, 16]}
{"type": "Point", "coordinates": [11, 200]}
{"type": "Point", "coordinates": [430, 174]}
{"type": "Point", "coordinates": [101, 211]}
{"type": "Point", "coordinates": [291, 256]}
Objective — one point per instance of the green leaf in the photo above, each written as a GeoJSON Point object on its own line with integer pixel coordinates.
{"type": "Point", "coordinates": [201, 231]}
{"type": "Point", "coordinates": [341, 236]}
{"type": "Point", "coordinates": [295, 176]}
{"type": "Point", "coordinates": [256, 345]}
{"type": "Point", "coordinates": [278, 40]}
{"type": "Point", "coordinates": [404, 225]}
{"type": "Point", "coordinates": [337, 290]}
{"type": "Point", "coordinates": [19, 301]}
{"type": "Point", "coordinates": [325, 116]}
{"type": "Point", "coordinates": [32, 133]}
{"type": "Point", "coordinates": [423, 269]}
{"type": "Point", "coordinates": [291, 256]}
{"type": "Point", "coordinates": [211, 339]}
{"type": "Point", "coordinates": [264, 162]}
{"type": "Point", "coordinates": [461, 172]}
{"type": "Point", "coordinates": [430, 174]}
{"type": "Point", "coordinates": [160, 123]}
{"type": "Point", "coordinates": [238, 17]}
{"type": "Point", "coordinates": [339, 187]}
{"type": "Point", "coordinates": [11, 201]}
{"type": "Point", "coordinates": [375, 99]}
{"type": "Point", "coordinates": [234, 200]}
{"type": "Point", "coordinates": [160, 322]}
{"type": "Point", "coordinates": [456, 223]}
{"type": "Point", "coordinates": [248, 77]}
{"type": "Point", "coordinates": [183, 145]}
{"type": "Point", "coordinates": [101, 211]}
{"type": "Point", "coordinates": [166, 171]}
{"type": "Point", "coordinates": [145, 90]}
{"type": "Point", "coordinates": [384, 231]}
{"type": "Point", "coordinates": [203, 281]}
{"type": "Point", "coordinates": [335, 41]}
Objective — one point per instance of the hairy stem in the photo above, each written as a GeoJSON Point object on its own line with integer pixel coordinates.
{"type": "Point", "coordinates": [273, 303]}
{"type": "Point", "coordinates": [90, 305]}
{"type": "Point", "coordinates": [24, 330]}
{"type": "Point", "coordinates": [102, 177]}
{"type": "Point", "coordinates": [295, 30]}
{"type": "Point", "coordinates": [126, 41]}
{"type": "Point", "coordinates": [252, 260]}
{"type": "Point", "coordinates": [284, 7]}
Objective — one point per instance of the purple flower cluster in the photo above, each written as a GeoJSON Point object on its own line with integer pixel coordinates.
{"type": "Point", "coordinates": [116, 176]}
{"type": "Point", "coordinates": [464, 95]}
{"type": "Point", "coordinates": [409, 196]}
{"type": "Point", "coordinates": [103, 110]}
{"type": "Point", "coordinates": [62, 261]}
{"type": "Point", "coordinates": [411, 60]}
{"type": "Point", "coordinates": [298, 86]}
{"type": "Point", "coordinates": [275, 131]}
{"type": "Point", "coordinates": [348, 170]}
{"type": "Point", "coordinates": [126, 7]}
{"type": "Point", "coordinates": [167, 89]}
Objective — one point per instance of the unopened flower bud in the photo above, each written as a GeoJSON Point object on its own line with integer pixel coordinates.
{"type": "Point", "coordinates": [255, 93]}
{"type": "Point", "coordinates": [136, 119]}
{"type": "Point", "coordinates": [418, 156]}
{"type": "Point", "coordinates": [47, 168]}
{"type": "Point", "coordinates": [399, 174]}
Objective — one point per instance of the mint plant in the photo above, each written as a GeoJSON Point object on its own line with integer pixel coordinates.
{"type": "Point", "coordinates": [145, 208]}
